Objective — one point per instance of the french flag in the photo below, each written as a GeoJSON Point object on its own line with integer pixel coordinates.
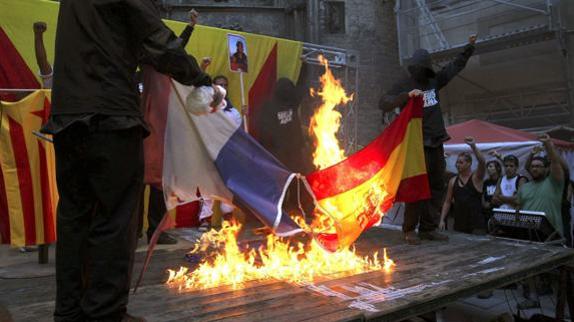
{"type": "Point", "coordinates": [187, 152]}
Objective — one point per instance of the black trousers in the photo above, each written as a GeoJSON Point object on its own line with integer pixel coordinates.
{"type": "Point", "coordinates": [156, 209]}
{"type": "Point", "coordinates": [426, 213]}
{"type": "Point", "coordinates": [100, 179]}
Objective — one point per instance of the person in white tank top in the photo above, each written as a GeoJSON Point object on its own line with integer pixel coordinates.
{"type": "Point", "coordinates": [509, 184]}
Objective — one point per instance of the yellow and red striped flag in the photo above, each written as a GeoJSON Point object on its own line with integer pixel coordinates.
{"type": "Point", "coordinates": [357, 192]}
{"type": "Point", "coordinates": [28, 194]}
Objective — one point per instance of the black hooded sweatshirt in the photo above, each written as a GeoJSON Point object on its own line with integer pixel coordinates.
{"type": "Point", "coordinates": [423, 77]}
{"type": "Point", "coordinates": [280, 126]}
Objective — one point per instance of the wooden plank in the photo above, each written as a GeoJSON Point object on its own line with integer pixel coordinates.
{"type": "Point", "coordinates": [427, 277]}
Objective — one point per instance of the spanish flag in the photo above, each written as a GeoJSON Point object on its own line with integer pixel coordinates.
{"type": "Point", "coordinates": [28, 194]}
{"type": "Point", "coordinates": [359, 190]}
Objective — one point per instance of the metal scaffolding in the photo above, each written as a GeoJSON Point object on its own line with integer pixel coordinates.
{"type": "Point", "coordinates": [442, 27]}
{"type": "Point", "coordinates": [345, 66]}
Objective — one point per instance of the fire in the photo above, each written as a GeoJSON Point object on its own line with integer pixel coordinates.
{"type": "Point", "coordinates": [327, 120]}
{"type": "Point", "coordinates": [226, 263]}
{"type": "Point", "coordinates": [278, 259]}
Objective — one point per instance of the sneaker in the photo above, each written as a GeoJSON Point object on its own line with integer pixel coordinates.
{"type": "Point", "coordinates": [131, 318]}
{"type": "Point", "coordinates": [432, 235]}
{"type": "Point", "coordinates": [204, 226]}
{"type": "Point", "coordinates": [411, 238]}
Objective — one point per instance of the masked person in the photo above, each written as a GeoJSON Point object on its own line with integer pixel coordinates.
{"type": "Point", "coordinates": [424, 81]}
{"type": "Point", "coordinates": [98, 129]}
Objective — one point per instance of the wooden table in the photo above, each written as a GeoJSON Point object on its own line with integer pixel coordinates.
{"type": "Point", "coordinates": [427, 277]}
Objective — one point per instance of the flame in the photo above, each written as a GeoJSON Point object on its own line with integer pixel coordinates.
{"type": "Point", "coordinates": [277, 259]}
{"type": "Point", "coordinates": [326, 122]}
{"type": "Point", "coordinates": [224, 262]}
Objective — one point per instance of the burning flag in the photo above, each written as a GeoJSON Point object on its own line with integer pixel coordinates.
{"type": "Point", "coordinates": [354, 193]}
{"type": "Point", "coordinates": [185, 152]}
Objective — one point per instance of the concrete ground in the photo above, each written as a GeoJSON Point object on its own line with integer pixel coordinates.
{"type": "Point", "coordinates": [23, 269]}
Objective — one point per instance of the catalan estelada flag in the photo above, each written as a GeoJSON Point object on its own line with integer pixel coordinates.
{"type": "Point", "coordinates": [359, 190]}
{"type": "Point", "coordinates": [28, 194]}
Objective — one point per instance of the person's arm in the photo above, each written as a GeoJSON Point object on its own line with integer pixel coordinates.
{"type": "Point", "coordinates": [497, 155]}
{"type": "Point", "coordinates": [447, 204]}
{"type": "Point", "coordinates": [397, 98]}
{"type": "Point", "coordinates": [160, 48]}
{"type": "Point", "coordinates": [186, 33]}
{"type": "Point", "coordinates": [447, 73]}
{"type": "Point", "coordinates": [478, 176]}
{"type": "Point", "coordinates": [205, 62]}
{"type": "Point", "coordinates": [41, 56]}
{"type": "Point", "coordinates": [521, 182]}
{"type": "Point", "coordinates": [556, 170]}
{"type": "Point", "coordinates": [504, 199]}
{"type": "Point", "coordinates": [497, 193]}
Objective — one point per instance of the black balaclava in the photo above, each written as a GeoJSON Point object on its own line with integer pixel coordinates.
{"type": "Point", "coordinates": [420, 66]}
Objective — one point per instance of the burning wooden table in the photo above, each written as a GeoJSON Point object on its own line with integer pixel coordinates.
{"type": "Point", "coordinates": [425, 278]}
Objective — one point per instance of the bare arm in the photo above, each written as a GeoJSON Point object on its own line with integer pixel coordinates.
{"type": "Point", "coordinates": [521, 182]}
{"type": "Point", "coordinates": [478, 176]}
{"type": "Point", "coordinates": [41, 56]}
{"type": "Point", "coordinates": [556, 170]}
{"type": "Point", "coordinates": [447, 203]}
{"type": "Point", "coordinates": [497, 193]}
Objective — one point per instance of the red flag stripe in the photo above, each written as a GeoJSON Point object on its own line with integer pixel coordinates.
{"type": "Point", "coordinates": [156, 104]}
{"type": "Point", "coordinates": [14, 72]}
{"type": "Point", "coordinates": [48, 210]}
{"type": "Point", "coordinates": [187, 215]}
{"type": "Point", "coordinates": [368, 161]}
{"type": "Point", "coordinates": [24, 179]}
{"type": "Point", "coordinates": [262, 89]}
{"type": "Point", "coordinates": [4, 214]}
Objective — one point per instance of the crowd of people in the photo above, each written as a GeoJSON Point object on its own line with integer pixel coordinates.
{"type": "Point", "coordinates": [471, 195]}
{"type": "Point", "coordinates": [546, 188]}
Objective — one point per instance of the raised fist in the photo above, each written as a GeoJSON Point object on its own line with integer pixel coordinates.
{"type": "Point", "coordinates": [40, 27]}
{"type": "Point", "coordinates": [470, 141]}
{"type": "Point", "coordinates": [472, 39]}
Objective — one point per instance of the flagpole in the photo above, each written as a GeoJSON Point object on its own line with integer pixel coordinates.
{"type": "Point", "coordinates": [242, 85]}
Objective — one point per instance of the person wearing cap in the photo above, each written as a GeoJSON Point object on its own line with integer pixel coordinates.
{"type": "Point", "coordinates": [424, 81]}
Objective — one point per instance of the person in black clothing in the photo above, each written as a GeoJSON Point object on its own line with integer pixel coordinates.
{"type": "Point", "coordinates": [494, 171]}
{"type": "Point", "coordinates": [281, 132]}
{"type": "Point", "coordinates": [465, 191]}
{"type": "Point", "coordinates": [425, 81]}
{"type": "Point", "coordinates": [98, 128]}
